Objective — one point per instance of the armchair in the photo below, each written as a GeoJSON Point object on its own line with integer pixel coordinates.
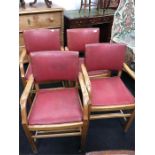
{"type": "Point", "coordinates": [55, 112]}
{"type": "Point", "coordinates": [108, 95]}
{"type": "Point", "coordinates": [37, 40]}
{"type": "Point", "coordinates": [77, 39]}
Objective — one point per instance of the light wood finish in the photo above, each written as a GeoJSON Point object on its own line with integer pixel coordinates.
{"type": "Point", "coordinates": [86, 78]}
{"type": "Point", "coordinates": [54, 130]}
{"type": "Point", "coordinates": [109, 109]}
{"type": "Point", "coordinates": [40, 17]}
{"type": "Point", "coordinates": [111, 115]}
{"type": "Point", "coordinates": [23, 99]}
{"type": "Point", "coordinates": [128, 70]}
{"type": "Point", "coordinates": [57, 135]}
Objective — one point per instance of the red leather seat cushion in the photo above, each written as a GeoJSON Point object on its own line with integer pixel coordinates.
{"type": "Point", "coordinates": [110, 91]}
{"type": "Point", "coordinates": [55, 106]}
{"type": "Point", "coordinates": [28, 72]}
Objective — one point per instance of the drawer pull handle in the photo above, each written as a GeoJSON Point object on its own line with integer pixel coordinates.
{"type": "Point", "coordinates": [51, 19]}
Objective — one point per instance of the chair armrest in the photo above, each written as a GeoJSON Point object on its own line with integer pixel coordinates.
{"type": "Point", "coordinates": [62, 48]}
{"type": "Point", "coordinates": [66, 48]}
{"type": "Point", "coordinates": [86, 78]}
{"type": "Point", "coordinates": [128, 70]}
{"type": "Point", "coordinates": [85, 97]}
{"type": "Point", "coordinates": [22, 56]}
{"type": "Point", "coordinates": [23, 99]}
{"type": "Point", "coordinates": [22, 72]}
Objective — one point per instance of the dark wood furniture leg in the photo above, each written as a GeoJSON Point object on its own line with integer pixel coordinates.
{"type": "Point", "coordinates": [22, 2]}
{"type": "Point", "coordinates": [47, 2]}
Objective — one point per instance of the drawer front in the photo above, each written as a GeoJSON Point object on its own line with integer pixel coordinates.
{"type": "Point", "coordinates": [30, 21]}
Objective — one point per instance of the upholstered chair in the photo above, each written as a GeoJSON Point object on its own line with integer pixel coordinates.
{"type": "Point", "coordinates": [55, 112]}
{"type": "Point", "coordinates": [109, 97]}
{"type": "Point", "coordinates": [37, 40]}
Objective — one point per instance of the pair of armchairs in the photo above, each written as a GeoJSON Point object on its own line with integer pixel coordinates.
{"type": "Point", "coordinates": [61, 112]}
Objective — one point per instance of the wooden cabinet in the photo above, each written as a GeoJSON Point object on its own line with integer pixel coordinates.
{"type": "Point", "coordinates": [95, 18]}
{"type": "Point", "coordinates": [40, 17]}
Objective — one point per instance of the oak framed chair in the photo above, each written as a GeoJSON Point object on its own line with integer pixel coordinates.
{"type": "Point", "coordinates": [77, 38]}
{"type": "Point", "coordinates": [109, 97]}
{"type": "Point", "coordinates": [55, 112]}
{"type": "Point", "coordinates": [37, 40]}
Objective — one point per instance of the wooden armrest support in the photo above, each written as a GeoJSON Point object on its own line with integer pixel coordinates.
{"type": "Point", "coordinates": [22, 56]}
{"type": "Point", "coordinates": [66, 48]}
{"type": "Point", "coordinates": [85, 97]}
{"type": "Point", "coordinates": [62, 48]}
{"type": "Point", "coordinates": [129, 71]}
{"type": "Point", "coordinates": [22, 72]}
{"type": "Point", "coordinates": [86, 77]}
{"type": "Point", "coordinates": [23, 99]}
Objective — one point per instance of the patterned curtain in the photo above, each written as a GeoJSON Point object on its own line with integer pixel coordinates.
{"type": "Point", "coordinates": [123, 29]}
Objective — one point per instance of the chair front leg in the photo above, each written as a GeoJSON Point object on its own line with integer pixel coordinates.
{"type": "Point", "coordinates": [30, 139]}
{"type": "Point", "coordinates": [84, 134]}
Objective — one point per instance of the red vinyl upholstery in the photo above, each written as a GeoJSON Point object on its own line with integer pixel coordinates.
{"type": "Point", "coordinates": [79, 37]}
{"type": "Point", "coordinates": [55, 106]}
{"type": "Point", "coordinates": [110, 91]}
{"type": "Point", "coordinates": [104, 56]}
{"type": "Point", "coordinates": [42, 40]}
{"type": "Point", "coordinates": [54, 65]}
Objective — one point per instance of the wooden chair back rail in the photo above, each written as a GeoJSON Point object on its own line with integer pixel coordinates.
{"type": "Point", "coordinates": [64, 126]}
{"type": "Point", "coordinates": [57, 135]}
{"type": "Point", "coordinates": [112, 108]}
{"type": "Point", "coordinates": [110, 115]}
{"type": "Point", "coordinates": [108, 74]}
{"type": "Point", "coordinates": [59, 130]}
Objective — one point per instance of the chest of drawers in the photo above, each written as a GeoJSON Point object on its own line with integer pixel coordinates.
{"type": "Point", "coordinates": [40, 17]}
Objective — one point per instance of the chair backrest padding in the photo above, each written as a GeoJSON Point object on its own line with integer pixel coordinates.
{"type": "Point", "coordinates": [79, 37]}
{"type": "Point", "coordinates": [54, 65]}
{"type": "Point", "coordinates": [108, 56]}
{"type": "Point", "coordinates": [41, 40]}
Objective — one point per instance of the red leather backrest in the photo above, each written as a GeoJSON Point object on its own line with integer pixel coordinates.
{"type": "Point", "coordinates": [102, 56]}
{"type": "Point", "coordinates": [41, 39]}
{"type": "Point", "coordinates": [79, 37]}
{"type": "Point", "coordinates": [54, 65]}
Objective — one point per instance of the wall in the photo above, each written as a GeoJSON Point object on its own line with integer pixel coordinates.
{"type": "Point", "coordinates": [66, 4]}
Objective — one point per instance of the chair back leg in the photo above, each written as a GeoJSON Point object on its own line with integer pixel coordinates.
{"type": "Point", "coordinates": [130, 120]}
